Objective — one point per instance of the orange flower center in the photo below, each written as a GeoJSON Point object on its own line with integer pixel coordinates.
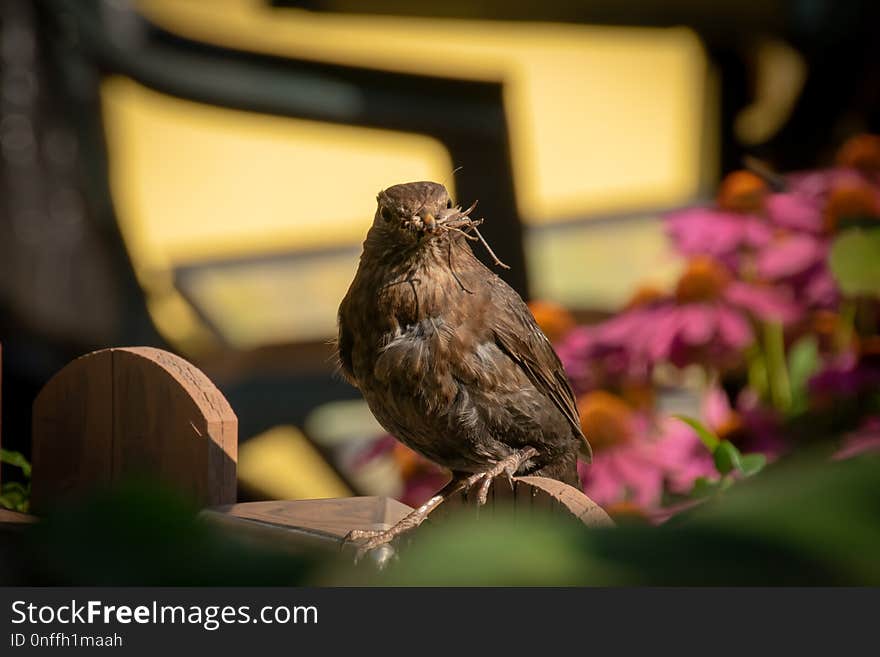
{"type": "Point", "coordinates": [552, 318]}
{"type": "Point", "coordinates": [826, 323]}
{"type": "Point", "coordinates": [704, 279]}
{"type": "Point", "coordinates": [626, 512]}
{"type": "Point", "coordinates": [605, 419]}
{"type": "Point", "coordinates": [644, 296]}
{"type": "Point", "coordinates": [638, 395]}
{"type": "Point", "coordinates": [861, 152]}
{"type": "Point", "coordinates": [850, 200]}
{"type": "Point", "coordinates": [731, 428]}
{"type": "Point", "coordinates": [742, 191]}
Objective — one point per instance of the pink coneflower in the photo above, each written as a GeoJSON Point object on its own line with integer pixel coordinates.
{"type": "Point", "coordinates": [795, 211]}
{"type": "Point", "coordinates": [748, 424]}
{"type": "Point", "coordinates": [799, 262]}
{"type": "Point", "coordinates": [592, 361]}
{"type": "Point", "coordinates": [735, 223]}
{"type": "Point", "coordinates": [857, 163]}
{"type": "Point", "coordinates": [688, 458]}
{"type": "Point", "coordinates": [790, 256]}
{"type": "Point", "coordinates": [848, 375]}
{"type": "Point", "coordinates": [589, 364]}
{"type": "Point", "coordinates": [634, 461]}
{"type": "Point", "coordinates": [707, 320]}
{"type": "Point", "coordinates": [713, 232]}
{"type": "Point", "coordinates": [627, 464]}
{"type": "Point", "coordinates": [824, 202]}
{"type": "Point", "coordinates": [850, 189]}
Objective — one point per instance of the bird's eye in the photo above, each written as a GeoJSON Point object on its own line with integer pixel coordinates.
{"type": "Point", "coordinates": [449, 204]}
{"type": "Point", "coordinates": [386, 214]}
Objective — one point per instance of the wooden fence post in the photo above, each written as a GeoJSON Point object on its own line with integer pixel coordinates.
{"type": "Point", "coordinates": [121, 412]}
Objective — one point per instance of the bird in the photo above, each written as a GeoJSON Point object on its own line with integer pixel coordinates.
{"type": "Point", "coordinates": [448, 357]}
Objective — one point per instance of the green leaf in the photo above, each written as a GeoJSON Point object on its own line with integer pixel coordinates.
{"type": "Point", "coordinates": [727, 457]}
{"type": "Point", "coordinates": [16, 459]}
{"type": "Point", "coordinates": [706, 435]}
{"type": "Point", "coordinates": [752, 464]}
{"type": "Point", "coordinates": [704, 487]}
{"type": "Point", "coordinates": [15, 487]}
{"type": "Point", "coordinates": [803, 361]}
{"type": "Point", "coordinates": [15, 496]}
{"type": "Point", "coordinates": [854, 260]}
{"type": "Point", "coordinates": [773, 336]}
{"type": "Point", "coordinates": [757, 365]}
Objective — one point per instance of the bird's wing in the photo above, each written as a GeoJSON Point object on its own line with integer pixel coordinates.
{"type": "Point", "coordinates": [517, 334]}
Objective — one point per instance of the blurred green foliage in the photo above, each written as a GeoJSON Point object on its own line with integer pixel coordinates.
{"type": "Point", "coordinates": [807, 521]}
{"type": "Point", "coordinates": [706, 435]}
{"type": "Point", "coordinates": [855, 261]}
{"type": "Point", "coordinates": [725, 454]}
{"type": "Point", "coordinates": [142, 534]}
{"type": "Point", "coordinates": [803, 363]}
{"type": "Point", "coordinates": [16, 495]}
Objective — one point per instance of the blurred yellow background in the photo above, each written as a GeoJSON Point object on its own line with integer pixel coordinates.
{"type": "Point", "coordinates": [244, 228]}
{"type": "Point", "coordinates": [603, 122]}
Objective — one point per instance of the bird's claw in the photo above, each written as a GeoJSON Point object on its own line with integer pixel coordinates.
{"type": "Point", "coordinates": [372, 540]}
{"type": "Point", "coordinates": [358, 534]}
{"type": "Point", "coordinates": [381, 538]}
{"type": "Point", "coordinates": [506, 466]}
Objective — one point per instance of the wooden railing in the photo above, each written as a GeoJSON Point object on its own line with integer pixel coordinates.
{"type": "Point", "coordinates": [122, 412]}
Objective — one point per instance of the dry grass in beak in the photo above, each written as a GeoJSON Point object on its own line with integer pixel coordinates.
{"type": "Point", "coordinates": [461, 222]}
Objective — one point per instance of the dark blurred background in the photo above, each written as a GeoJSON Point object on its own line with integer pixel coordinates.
{"type": "Point", "coordinates": [198, 176]}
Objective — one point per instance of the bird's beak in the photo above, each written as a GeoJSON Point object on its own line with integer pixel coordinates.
{"type": "Point", "coordinates": [424, 223]}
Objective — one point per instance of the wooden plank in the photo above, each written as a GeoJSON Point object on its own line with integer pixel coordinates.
{"type": "Point", "coordinates": [15, 521]}
{"type": "Point", "coordinates": [301, 525]}
{"type": "Point", "coordinates": [330, 518]}
{"type": "Point", "coordinates": [324, 523]}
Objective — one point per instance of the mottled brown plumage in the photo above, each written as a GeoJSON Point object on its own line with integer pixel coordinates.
{"type": "Point", "coordinates": [447, 355]}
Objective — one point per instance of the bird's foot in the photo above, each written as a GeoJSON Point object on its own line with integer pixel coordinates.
{"type": "Point", "coordinates": [375, 542]}
{"type": "Point", "coordinates": [508, 465]}
{"type": "Point", "coordinates": [368, 540]}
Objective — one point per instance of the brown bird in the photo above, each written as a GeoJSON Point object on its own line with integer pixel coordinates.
{"type": "Point", "coordinates": [447, 355]}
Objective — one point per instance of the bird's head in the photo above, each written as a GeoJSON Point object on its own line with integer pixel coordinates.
{"type": "Point", "coordinates": [412, 212]}
{"type": "Point", "coordinates": [420, 213]}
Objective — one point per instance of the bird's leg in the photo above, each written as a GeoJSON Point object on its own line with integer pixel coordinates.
{"type": "Point", "coordinates": [377, 537]}
{"type": "Point", "coordinates": [508, 465]}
